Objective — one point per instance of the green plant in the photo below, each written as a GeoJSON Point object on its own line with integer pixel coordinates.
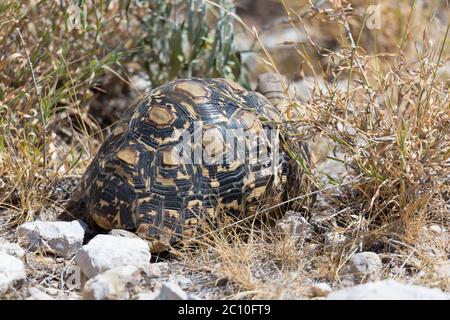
{"type": "Point", "coordinates": [188, 39]}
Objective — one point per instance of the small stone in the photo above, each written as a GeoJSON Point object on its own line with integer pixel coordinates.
{"type": "Point", "coordinates": [320, 289]}
{"type": "Point", "coordinates": [311, 248]}
{"type": "Point", "coordinates": [388, 290]}
{"type": "Point", "coordinates": [59, 237]}
{"type": "Point", "coordinates": [171, 291]}
{"type": "Point", "coordinates": [11, 271]}
{"type": "Point", "coordinates": [112, 284]}
{"type": "Point", "coordinates": [36, 294]}
{"type": "Point", "coordinates": [163, 266]}
{"type": "Point", "coordinates": [153, 270]}
{"type": "Point", "coordinates": [12, 249]}
{"type": "Point", "coordinates": [182, 281]}
{"type": "Point", "coordinates": [437, 229]}
{"type": "Point", "coordinates": [295, 225]}
{"type": "Point", "coordinates": [52, 291]}
{"type": "Point", "coordinates": [362, 267]}
{"type": "Point", "coordinates": [105, 252]}
{"type": "Point", "coordinates": [334, 241]}
{"type": "Point", "coordinates": [398, 272]}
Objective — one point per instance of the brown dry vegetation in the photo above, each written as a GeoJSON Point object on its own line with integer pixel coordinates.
{"type": "Point", "coordinates": [379, 110]}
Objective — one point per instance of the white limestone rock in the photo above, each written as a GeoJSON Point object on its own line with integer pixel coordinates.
{"type": "Point", "coordinates": [362, 267]}
{"type": "Point", "coordinates": [105, 252]}
{"type": "Point", "coordinates": [62, 238]}
{"type": "Point", "coordinates": [294, 225]}
{"type": "Point", "coordinates": [12, 249]}
{"type": "Point", "coordinates": [388, 290]}
{"type": "Point", "coordinates": [171, 291]}
{"type": "Point", "coordinates": [112, 284]}
{"type": "Point", "coordinates": [11, 271]}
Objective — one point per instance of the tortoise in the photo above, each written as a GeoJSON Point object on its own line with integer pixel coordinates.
{"type": "Point", "coordinates": [188, 154]}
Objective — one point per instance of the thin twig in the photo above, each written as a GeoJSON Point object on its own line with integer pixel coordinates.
{"type": "Point", "coordinates": [41, 110]}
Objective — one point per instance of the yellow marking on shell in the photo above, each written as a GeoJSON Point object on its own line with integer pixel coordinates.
{"type": "Point", "coordinates": [189, 108]}
{"type": "Point", "coordinates": [129, 155]}
{"type": "Point", "coordinates": [170, 157]}
{"type": "Point", "coordinates": [175, 136]}
{"type": "Point", "coordinates": [161, 116]}
{"type": "Point", "coordinates": [165, 181]}
{"type": "Point", "coordinates": [119, 130]}
{"type": "Point", "coordinates": [157, 246]}
{"type": "Point", "coordinates": [119, 171]}
{"type": "Point", "coordinates": [193, 203]}
{"type": "Point", "coordinates": [188, 233]}
{"type": "Point", "coordinates": [250, 121]}
{"type": "Point", "coordinates": [192, 88]}
{"type": "Point", "coordinates": [215, 183]}
{"type": "Point", "coordinates": [213, 142]}
{"type": "Point", "coordinates": [182, 176]}
{"type": "Point", "coordinates": [205, 171]}
{"type": "Point", "coordinates": [143, 229]}
{"type": "Point", "coordinates": [198, 92]}
{"type": "Point", "coordinates": [103, 203]}
{"type": "Point", "coordinates": [250, 185]}
{"type": "Point", "coordinates": [211, 213]}
{"type": "Point", "coordinates": [231, 205]}
{"type": "Point", "coordinates": [235, 86]}
{"type": "Point", "coordinates": [102, 221]}
{"type": "Point", "coordinates": [257, 192]}
{"type": "Point", "coordinates": [172, 213]}
{"type": "Point", "coordinates": [116, 220]}
{"type": "Point", "coordinates": [233, 165]}
{"type": "Point", "coordinates": [191, 222]}
{"type": "Point", "coordinates": [166, 234]}
{"type": "Point", "coordinates": [251, 209]}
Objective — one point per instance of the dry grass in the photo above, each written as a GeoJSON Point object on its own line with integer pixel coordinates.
{"type": "Point", "coordinates": [46, 71]}
{"type": "Point", "coordinates": [383, 115]}
{"type": "Point", "coordinates": [389, 127]}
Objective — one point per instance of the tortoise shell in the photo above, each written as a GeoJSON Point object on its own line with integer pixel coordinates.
{"type": "Point", "coordinates": [183, 157]}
